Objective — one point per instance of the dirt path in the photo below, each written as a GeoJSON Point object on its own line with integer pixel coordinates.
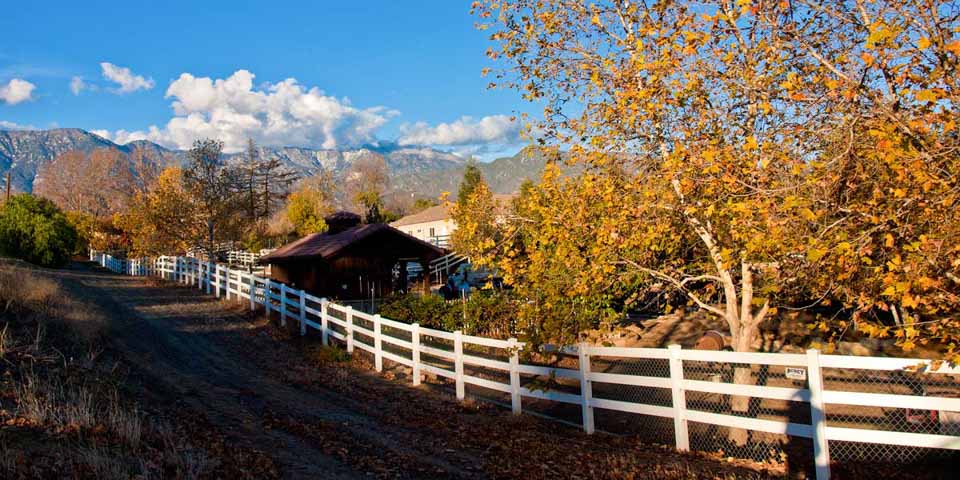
{"type": "Point", "coordinates": [326, 420]}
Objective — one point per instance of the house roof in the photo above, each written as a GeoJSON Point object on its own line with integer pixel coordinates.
{"type": "Point", "coordinates": [326, 246]}
{"type": "Point", "coordinates": [432, 214]}
{"type": "Point", "coordinates": [442, 212]}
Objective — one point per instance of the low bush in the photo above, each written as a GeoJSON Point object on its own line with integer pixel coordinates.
{"type": "Point", "coordinates": [485, 312]}
{"type": "Point", "coordinates": [35, 230]}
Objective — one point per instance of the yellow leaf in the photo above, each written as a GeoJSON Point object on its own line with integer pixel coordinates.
{"type": "Point", "coordinates": [954, 47]}
{"type": "Point", "coordinates": [924, 43]}
{"type": "Point", "coordinates": [927, 96]}
{"type": "Point", "coordinates": [888, 240]}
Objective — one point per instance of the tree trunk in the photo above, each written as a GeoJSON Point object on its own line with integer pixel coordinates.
{"type": "Point", "coordinates": [742, 375]}
{"type": "Point", "coordinates": [744, 329]}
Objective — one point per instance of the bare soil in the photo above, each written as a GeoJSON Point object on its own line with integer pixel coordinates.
{"type": "Point", "coordinates": [275, 392]}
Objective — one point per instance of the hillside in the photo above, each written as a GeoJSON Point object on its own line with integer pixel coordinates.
{"type": "Point", "coordinates": [503, 175]}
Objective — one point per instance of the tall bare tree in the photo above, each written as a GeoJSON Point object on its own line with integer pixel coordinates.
{"type": "Point", "coordinates": [214, 185]}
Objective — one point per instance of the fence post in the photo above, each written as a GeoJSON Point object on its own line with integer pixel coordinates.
{"type": "Point", "coordinates": [283, 304]}
{"type": "Point", "coordinates": [216, 279]}
{"type": "Point", "coordinates": [818, 416]}
{"type": "Point", "coordinates": [679, 398]}
{"type": "Point", "coordinates": [303, 314]}
{"type": "Point", "coordinates": [415, 352]}
{"type": "Point", "coordinates": [323, 322]}
{"type": "Point", "coordinates": [377, 344]}
{"type": "Point", "coordinates": [349, 332]}
{"type": "Point", "coordinates": [586, 389]}
{"type": "Point", "coordinates": [458, 363]}
{"type": "Point", "coordinates": [253, 293]}
{"type": "Point", "coordinates": [514, 375]}
{"type": "Point", "coordinates": [266, 297]}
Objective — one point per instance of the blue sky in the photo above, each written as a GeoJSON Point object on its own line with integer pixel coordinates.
{"type": "Point", "coordinates": [411, 71]}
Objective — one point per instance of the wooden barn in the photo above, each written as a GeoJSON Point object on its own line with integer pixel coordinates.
{"type": "Point", "coordinates": [350, 261]}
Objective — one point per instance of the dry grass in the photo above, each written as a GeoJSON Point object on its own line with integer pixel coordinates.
{"type": "Point", "coordinates": [32, 300]}
{"type": "Point", "coordinates": [77, 405]}
{"type": "Point", "coordinates": [70, 415]}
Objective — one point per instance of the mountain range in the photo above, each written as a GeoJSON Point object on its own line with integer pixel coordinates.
{"type": "Point", "coordinates": [414, 171]}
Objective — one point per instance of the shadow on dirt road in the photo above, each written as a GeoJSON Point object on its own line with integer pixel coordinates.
{"type": "Point", "coordinates": [250, 379]}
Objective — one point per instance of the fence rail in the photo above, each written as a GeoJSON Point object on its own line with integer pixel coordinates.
{"type": "Point", "coordinates": [456, 356]}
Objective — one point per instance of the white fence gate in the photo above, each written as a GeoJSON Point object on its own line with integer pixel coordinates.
{"type": "Point", "coordinates": [826, 387]}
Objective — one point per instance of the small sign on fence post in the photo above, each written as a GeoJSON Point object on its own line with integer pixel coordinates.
{"type": "Point", "coordinates": [795, 373]}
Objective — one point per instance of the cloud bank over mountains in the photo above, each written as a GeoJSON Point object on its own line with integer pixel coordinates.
{"type": "Point", "coordinates": [287, 113]}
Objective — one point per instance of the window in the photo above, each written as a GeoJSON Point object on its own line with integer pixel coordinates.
{"type": "Point", "coordinates": [432, 232]}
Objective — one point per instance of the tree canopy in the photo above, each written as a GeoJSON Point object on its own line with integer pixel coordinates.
{"type": "Point", "coordinates": [35, 230]}
{"type": "Point", "coordinates": [749, 156]}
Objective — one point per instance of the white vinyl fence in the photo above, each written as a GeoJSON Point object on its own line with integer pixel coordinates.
{"type": "Point", "coordinates": [820, 397]}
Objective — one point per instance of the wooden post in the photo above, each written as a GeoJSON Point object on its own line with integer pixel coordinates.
{"type": "Point", "coordinates": [818, 416]}
{"type": "Point", "coordinates": [283, 304]}
{"type": "Point", "coordinates": [458, 363]}
{"type": "Point", "coordinates": [266, 297]}
{"type": "Point", "coordinates": [349, 332]}
{"type": "Point", "coordinates": [415, 352]}
{"type": "Point", "coordinates": [209, 276]}
{"type": "Point", "coordinates": [216, 279]}
{"type": "Point", "coordinates": [324, 326]}
{"type": "Point", "coordinates": [253, 293]}
{"type": "Point", "coordinates": [303, 314]}
{"type": "Point", "coordinates": [377, 344]}
{"type": "Point", "coordinates": [586, 389]}
{"type": "Point", "coordinates": [514, 375]}
{"type": "Point", "coordinates": [679, 398]}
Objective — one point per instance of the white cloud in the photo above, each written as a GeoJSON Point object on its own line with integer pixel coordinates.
{"type": "Point", "coordinates": [122, 76]}
{"type": "Point", "coordinates": [279, 114]}
{"type": "Point", "coordinates": [5, 125]}
{"type": "Point", "coordinates": [494, 129]}
{"type": "Point", "coordinates": [77, 85]}
{"type": "Point", "coordinates": [16, 91]}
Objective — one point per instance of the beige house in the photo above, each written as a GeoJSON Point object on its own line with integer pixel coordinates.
{"type": "Point", "coordinates": [434, 224]}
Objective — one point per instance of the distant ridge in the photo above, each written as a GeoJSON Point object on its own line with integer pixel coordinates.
{"type": "Point", "coordinates": [421, 171]}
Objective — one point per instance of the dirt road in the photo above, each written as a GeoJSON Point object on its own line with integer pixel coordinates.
{"type": "Point", "coordinates": [321, 419]}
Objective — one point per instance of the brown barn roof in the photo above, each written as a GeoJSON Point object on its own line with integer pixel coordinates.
{"type": "Point", "coordinates": [326, 245]}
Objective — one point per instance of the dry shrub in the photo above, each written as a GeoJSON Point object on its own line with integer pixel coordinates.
{"type": "Point", "coordinates": [33, 301]}
{"type": "Point", "coordinates": [25, 292]}
{"type": "Point", "coordinates": [62, 404]}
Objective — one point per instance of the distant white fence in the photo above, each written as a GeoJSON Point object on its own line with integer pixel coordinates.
{"type": "Point", "coordinates": [408, 344]}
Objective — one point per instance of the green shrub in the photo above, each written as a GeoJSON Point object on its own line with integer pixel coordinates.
{"type": "Point", "coordinates": [35, 230]}
{"type": "Point", "coordinates": [486, 312]}
{"type": "Point", "coordinates": [430, 311]}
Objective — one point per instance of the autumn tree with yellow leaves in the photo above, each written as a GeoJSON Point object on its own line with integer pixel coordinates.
{"type": "Point", "coordinates": [748, 155]}
{"type": "Point", "coordinates": [164, 219]}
